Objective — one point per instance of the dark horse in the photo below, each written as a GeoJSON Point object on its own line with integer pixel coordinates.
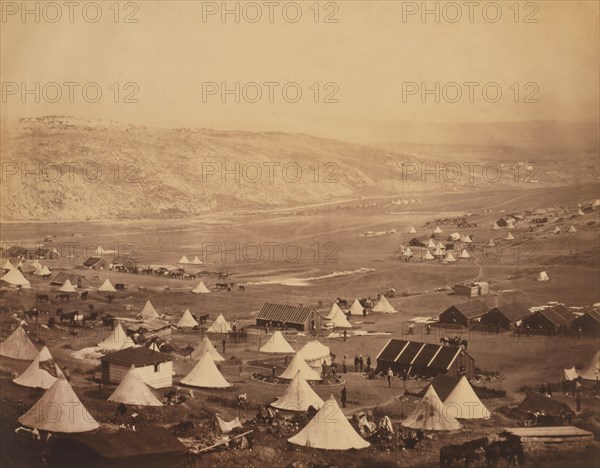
{"type": "Point", "coordinates": [511, 450]}
{"type": "Point", "coordinates": [467, 452]}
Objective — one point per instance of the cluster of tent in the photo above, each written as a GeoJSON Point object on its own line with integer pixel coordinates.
{"type": "Point", "coordinates": [185, 261]}
{"type": "Point", "coordinates": [14, 277]}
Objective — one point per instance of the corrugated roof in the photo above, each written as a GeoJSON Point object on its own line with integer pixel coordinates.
{"type": "Point", "coordinates": [594, 314]}
{"type": "Point", "coordinates": [514, 311]}
{"type": "Point", "coordinates": [558, 315]}
{"type": "Point", "coordinates": [285, 313]}
{"type": "Point", "coordinates": [63, 276]}
{"type": "Point", "coordinates": [538, 403]}
{"type": "Point", "coordinates": [418, 354]}
{"type": "Point", "coordinates": [139, 357]}
{"type": "Point", "coordinates": [471, 309]}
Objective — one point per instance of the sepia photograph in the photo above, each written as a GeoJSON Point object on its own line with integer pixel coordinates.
{"type": "Point", "coordinates": [299, 234]}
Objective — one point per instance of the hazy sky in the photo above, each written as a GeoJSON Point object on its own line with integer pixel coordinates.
{"type": "Point", "coordinates": [370, 55]}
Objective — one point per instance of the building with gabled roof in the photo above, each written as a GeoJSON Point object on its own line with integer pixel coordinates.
{"type": "Point", "coordinates": [589, 323]}
{"type": "Point", "coordinates": [465, 314]}
{"type": "Point", "coordinates": [506, 316]}
{"type": "Point", "coordinates": [549, 320]}
{"type": "Point", "coordinates": [76, 280]}
{"type": "Point", "coordinates": [425, 359]}
{"type": "Point", "coordinates": [155, 369]}
{"type": "Point", "coordinates": [278, 315]}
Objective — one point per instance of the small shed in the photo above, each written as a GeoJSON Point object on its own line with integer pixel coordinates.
{"type": "Point", "coordinates": [278, 315]}
{"type": "Point", "coordinates": [465, 314]}
{"type": "Point", "coordinates": [155, 369]}
{"type": "Point", "coordinates": [95, 263]}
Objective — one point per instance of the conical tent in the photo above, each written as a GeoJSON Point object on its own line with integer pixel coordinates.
{"type": "Point", "coordinates": [467, 240]}
{"type": "Point", "coordinates": [16, 278]}
{"type": "Point", "coordinates": [491, 243]}
{"type": "Point", "coordinates": [205, 375]}
{"type": "Point", "coordinates": [463, 403]}
{"type": "Point", "coordinates": [543, 276]}
{"type": "Point", "coordinates": [356, 308]}
{"type": "Point", "coordinates": [183, 260]}
{"type": "Point", "coordinates": [197, 261]}
{"type": "Point", "coordinates": [107, 286]}
{"type": "Point", "coordinates": [449, 257]}
{"type": "Point", "coordinates": [509, 224]}
{"type": "Point", "coordinates": [59, 410]}
{"type": "Point", "coordinates": [427, 256]}
{"type": "Point", "coordinates": [117, 340]}
{"type": "Point", "coordinates": [220, 325]}
{"type": "Point", "coordinates": [154, 347]}
{"type": "Point", "coordinates": [148, 311]}
{"type": "Point", "coordinates": [509, 236]}
{"type": "Point", "coordinates": [7, 266]}
{"type": "Point", "coordinates": [206, 346]}
{"type": "Point", "coordinates": [44, 271]}
{"type": "Point", "coordinates": [339, 320]}
{"type": "Point", "coordinates": [277, 344]}
{"type": "Point", "coordinates": [464, 254]}
{"type": "Point", "coordinates": [329, 430]}
{"type": "Point", "coordinates": [557, 230]}
{"type": "Point", "coordinates": [201, 288]}
{"type": "Point", "coordinates": [187, 320]}
{"type": "Point", "coordinates": [592, 370]}
{"type": "Point", "coordinates": [383, 306]}
{"type": "Point", "coordinates": [20, 264]}
{"type": "Point", "coordinates": [41, 373]}
{"type": "Point", "coordinates": [67, 287]}
{"type": "Point", "coordinates": [315, 354]}
{"type": "Point", "coordinates": [496, 227]}
{"type": "Point", "coordinates": [437, 230]}
{"type": "Point", "coordinates": [412, 230]}
{"type": "Point", "coordinates": [570, 374]}
{"type": "Point", "coordinates": [579, 212]}
{"type": "Point", "coordinates": [430, 244]}
{"type": "Point", "coordinates": [430, 414]}
{"type": "Point", "coordinates": [572, 229]}
{"type": "Point", "coordinates": [298, 396]}
{"type": "Point", "coordinates": [133, 391]}
{"type": "Point", "coordinates": [298, 364]}
{"type": "Point", "coordinates": [438, 252]}
{"type": "Point", "coordinates": [19, 346]}
{"type": "Point", "coordinates": [333, 312]}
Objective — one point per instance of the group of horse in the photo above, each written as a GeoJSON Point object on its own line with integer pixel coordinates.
{"type": "Point", "coordinates": [454, 342]}
{"type": "Point", "coordinates": [509, 449]}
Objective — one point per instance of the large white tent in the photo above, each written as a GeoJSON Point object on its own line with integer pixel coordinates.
{"type": "Point", "coordinates": [41, 373]}
{"type": "Point", "coordinates": [107, 286]}
{"type": "Point", "coordinates": [356, 308]}
{"type": "Point", "coordinates": [206, 346]}
{"type": "Point", "coordinates": [463, 403]}
{"type": "Point", "coordinates": [19, 346]}
{"type": "Point", "coordinates": [298, 396]}
{"type": "Point", "coordinates": [329, 430]}
{"type": "Point", "coordinates": [14, 277]}
{"type": "Point", "coordinates": [196, 261]}
{"type": "Point", "coordinates": [298, 364]}
{"type": "Point", "coordinates": [220, 325]}
{"type": "Point", "coordinates": [116, 340]}
{"type": "Point", "coordinates": [338, 319]}
{"type": "Point", "coordinates": [315, 354]}
{"type": "Point", "coordinates": [277, 344]}
{"type": "Point", "coordinates": [148, 312]}
{"type": "Point", "coordinates": [132, 390]}
{"type": "Point", "coordinates": [412, 230]}
{"type": "Point", "coordinates": [383, 306]}
{"type": "Point", "coordinates": [205, 374]}
{"type": "Point", "coordinates": [430, 414]}
{"type": "Point", "coordinates": [183, 260]}
{"type": "Point", "coordinates": [59, 410]}
{"type": "Point", "coordinates": [437, 230]}
{"type": "Point", "coordinates": [187, 320]}
{"type": "Point", "coordinates": [509, 236]}
{"type": "Point", "coordinates": [67, 287]}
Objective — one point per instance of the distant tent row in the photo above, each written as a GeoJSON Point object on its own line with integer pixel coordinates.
{"type": "Point", "coordinates": [185, 261]}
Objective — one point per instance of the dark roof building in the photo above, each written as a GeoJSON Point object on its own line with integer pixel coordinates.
{"type": "Point", "coordinates": [278, 315]}
{"type": "Point", "coordinates": [154, 368]}
{"type": "Point", "coordinates": [425, 359]}
{"type": "Point", "coordinates": [589, 323]}
{"type": "Point", "coordinates": [506, 316]}
{"type": "Point", "coordinates": [465, 314]}
{"type": "Point", "coordinates": [79, 281]}
{"type": "Point", "coordinates": [550, 320]}
{"type": "Point", "coordinates": [442, 384]}
{"type": "Point", "coordinates": [95, 263]}
{"type": "Point", "coordinates": [137, 356]}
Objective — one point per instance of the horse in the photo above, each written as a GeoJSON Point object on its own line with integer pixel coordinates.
{"type": "Point", "coordinates": [202, 319]}
{"type": "Point", "coordinates": [467, 452]}
{"type": "Point", "coordinates": [42, 298]}
{"type": "Point", "coordinates": [510, 449]}
{"type": "Point", "coordinates": [111, 298]}
{"type": "Point", "coordinates": [68, 315]}
{"type": "Point", "coordinates": [63, 297]}
{"type": "Point", "coordinates": [108, 321]}
{"type": "Point", "coordinates": [32, 313]}
{"type": "Point", "coordinates": [241, 287]}
{"type": "Point", "coordinates": [341, 302]}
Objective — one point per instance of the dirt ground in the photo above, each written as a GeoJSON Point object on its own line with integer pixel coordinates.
{"type": "Point", "coordinates": [521, 362]}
